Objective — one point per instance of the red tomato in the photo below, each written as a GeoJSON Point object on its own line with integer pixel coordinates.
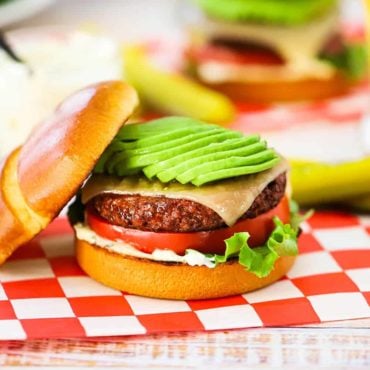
{"type": "Point", "coordinates": [208, 53]}
{"type": "Point", "coordinates": [204, 241]}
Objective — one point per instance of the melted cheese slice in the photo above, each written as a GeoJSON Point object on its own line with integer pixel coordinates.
{"type": "Point", "coordinates": [217, 72]}
{"type": "Point", "coordinates": [298, 45]}
{"type": "Point", "coordinates": [230, 199]}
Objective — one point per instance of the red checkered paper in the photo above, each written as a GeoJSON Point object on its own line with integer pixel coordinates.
{"type": "Point", "coordinates": [43, 292]}
{"type": "Point", "coordinates": [336, 111]}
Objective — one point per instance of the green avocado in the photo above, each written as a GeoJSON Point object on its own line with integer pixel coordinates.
{"type": "Point", "coordinates": [184, 150]}
{"type": "Point", "coordinates": [187, 165]}
{"type": "Point", "coordinates": [171, 149]}
{"type": "Point", "coordinates": [181, 160]}
{"type": "Point", "coordinates": [231, 162]}
{"type": "Point", "coordinates": [282, 12]}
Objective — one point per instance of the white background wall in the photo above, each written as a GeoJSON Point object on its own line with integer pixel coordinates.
{"type": "Point", "coordinates": [124, 19]}
{"type": "Point", "coordinates": [134, 19]}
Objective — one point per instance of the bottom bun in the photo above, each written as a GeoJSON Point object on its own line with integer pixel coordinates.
{"type": "Point", "coordinates": [284, 91]}
{"type": "Point", "coordinates": [171, 280]}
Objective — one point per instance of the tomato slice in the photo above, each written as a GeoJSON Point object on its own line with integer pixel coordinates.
{"type": "Point", "coordinates": [204, 241]}
{"type": "Point", "coordinates": [207, 53]}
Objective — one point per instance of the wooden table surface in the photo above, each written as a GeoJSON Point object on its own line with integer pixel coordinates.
{"type": "Point", "coordinates": [337, 345]}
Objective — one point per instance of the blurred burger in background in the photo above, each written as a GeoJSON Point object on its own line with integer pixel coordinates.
{"type": "Point", "coordinates": [274, 50]}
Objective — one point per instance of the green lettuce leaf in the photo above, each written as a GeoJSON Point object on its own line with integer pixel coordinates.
{"type": "Point", "coordinates": [357, 61]}
{"type": "Point", "coordinates": [296, 218]}
{"type": "Point", "coordinates": [233, 247]}
{"type": "Point", "coordinates": [352, 60]}
{"type": "Point", "coordinates": [283, 239]}
{"type": "Point", "coordinates": [261, 260]}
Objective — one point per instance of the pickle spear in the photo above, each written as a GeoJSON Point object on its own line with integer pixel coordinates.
{"type": "Point", "coordinates": [174, 93]}
{"type": "Point", "coordinates": [316, 183]}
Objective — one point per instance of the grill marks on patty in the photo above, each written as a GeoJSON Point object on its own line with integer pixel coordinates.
{"type": "Point", "coordinates": [161, 214]}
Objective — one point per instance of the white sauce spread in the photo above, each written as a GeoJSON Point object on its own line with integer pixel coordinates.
{"type": "Point", "coordinates": [192, 257]}
{"type": "Point", "coordinates": [219, 72]}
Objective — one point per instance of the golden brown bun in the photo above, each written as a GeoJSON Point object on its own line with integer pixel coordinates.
{"type": "Point", "coordinates": [285, 91]}
{"type": "Point", "coordinates": [38, 179]}
{"type": "Point", "coordinates": [59, 156]}
{"type": "Point", "coordinates": [18, 222]}
{"type": "Point", "coordinates": [171, 281]}
{"type": "Point", "coordinates": [12, 231]}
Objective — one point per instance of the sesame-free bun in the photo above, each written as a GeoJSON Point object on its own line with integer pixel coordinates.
{"type": "Point", "coordinates": [266, 91]}
{"type": "Point", "coordinates": [39, 178]}
{"type": "Point", "coordinates": [171, 280]}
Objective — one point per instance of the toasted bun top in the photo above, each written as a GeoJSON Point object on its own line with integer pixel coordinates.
{"type": "Point", "coordinates": [38, 179]}
{"type": "Point", "coordinates": [60, 153]}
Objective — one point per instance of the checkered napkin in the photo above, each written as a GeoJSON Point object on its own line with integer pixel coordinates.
{"type": "Point", "coordinates": [43, 293]}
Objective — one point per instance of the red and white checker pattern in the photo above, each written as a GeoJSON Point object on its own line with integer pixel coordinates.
{"type": "Point", "coordinates": [43, 293]}
{"type": "Point", "coordinates": [335, 112]}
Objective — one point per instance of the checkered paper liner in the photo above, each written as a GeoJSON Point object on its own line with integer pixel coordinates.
{"type": "Point", "coordinates": [259, 117]}
{"type": "Point", "coordinates": [43, 292]}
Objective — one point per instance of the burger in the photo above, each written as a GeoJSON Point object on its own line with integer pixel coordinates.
{"type": "Point", "coordinates": [172, 208]}
{"type": "Point", "coordinates": [275, 50]}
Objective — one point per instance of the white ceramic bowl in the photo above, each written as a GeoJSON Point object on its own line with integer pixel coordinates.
{"type": "Point", "coordinates": [16, 10]}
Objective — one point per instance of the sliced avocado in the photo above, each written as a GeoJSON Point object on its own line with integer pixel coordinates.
{"type": "Point", "coordinates": [139, 161]}
{"type": "Point", "coordinates": [172, 173]}
{"type": "Point", "coordinates": [284, 12]}
{"type": "Point", "coordinates": [221, 164]}
{"type": "Point", "coordinates": [138, 131]}
{"type": "Point", "coordinates": [169, 139]}
{"type": "Point", "coordinates": [232, 172]}
{"type": "Point", "coordinates": [114, 147]}
{"type": "Point", "coordinates": [164, 136]}
{"type": "Point", "coordinates": [168, 164]}
{"type": "Point", "coordinates": [167, 144]}
{"type": "Point", "coordinates": [185, 150]}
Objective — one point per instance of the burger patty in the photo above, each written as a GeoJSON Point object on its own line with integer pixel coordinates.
{"type": "Point", "coordinates": [240, 46]}
{"type": "Point", "coordinates": [177, 215]}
